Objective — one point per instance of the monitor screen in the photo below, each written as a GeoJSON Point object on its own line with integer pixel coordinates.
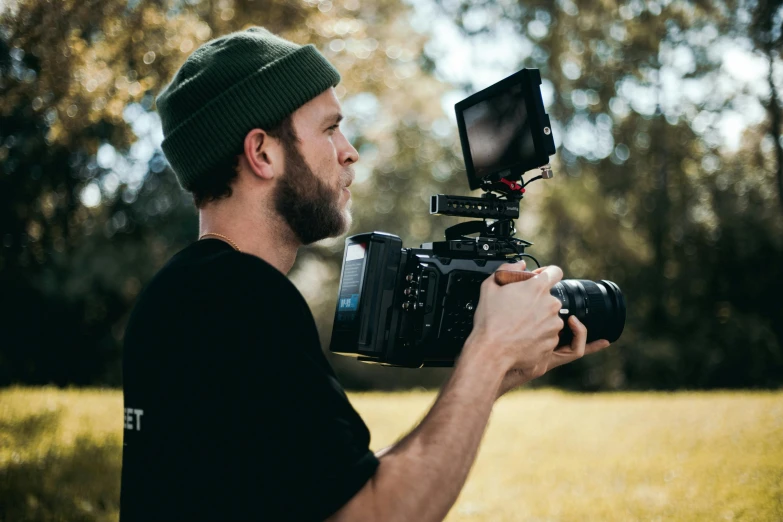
{"type": "Point", "coordinates": [499, 132]}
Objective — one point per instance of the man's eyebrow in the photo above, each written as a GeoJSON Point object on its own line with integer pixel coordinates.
{"type": "Point", "coordinates": [333, 119]}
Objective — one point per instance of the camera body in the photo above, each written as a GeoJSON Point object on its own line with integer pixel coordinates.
{"type": "Point", "coordinates": [413, 307]}
{"type": "Point", "coordinates": [405, 306]}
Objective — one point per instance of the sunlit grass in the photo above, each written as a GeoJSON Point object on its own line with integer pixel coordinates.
{"type": "Point", "coordinates": [546, 456]}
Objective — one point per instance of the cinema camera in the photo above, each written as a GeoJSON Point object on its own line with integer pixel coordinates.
{"type": "Point", "coordinates": [413, 307]}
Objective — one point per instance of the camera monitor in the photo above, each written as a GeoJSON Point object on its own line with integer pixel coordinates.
{"type": "Point", "coordinates": [504, 129]}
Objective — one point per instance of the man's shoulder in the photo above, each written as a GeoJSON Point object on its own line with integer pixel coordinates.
{"type": "Point", "coordinates": [216, 281]}
{"type": "Point", "coordinates": [213, 267]}
{"type": "Point", "coordinates": [224, 298]}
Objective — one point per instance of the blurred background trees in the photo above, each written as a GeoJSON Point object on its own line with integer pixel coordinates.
{"type": "Point", "coordinates": [651, 189]}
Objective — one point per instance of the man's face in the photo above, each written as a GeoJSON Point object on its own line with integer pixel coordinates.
{"type": "Point", "coordinates": [315, 202]}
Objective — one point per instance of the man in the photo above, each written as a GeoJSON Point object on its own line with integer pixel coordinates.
{"type": "Point", "coordinates": [232, 412]}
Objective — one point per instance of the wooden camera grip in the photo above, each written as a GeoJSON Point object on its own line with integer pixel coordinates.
{"type": "Point", "coordinates": [504, 277]}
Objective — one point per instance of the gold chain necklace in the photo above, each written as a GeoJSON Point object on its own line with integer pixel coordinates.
{"type": "Point", "coordinates": [221, 236]}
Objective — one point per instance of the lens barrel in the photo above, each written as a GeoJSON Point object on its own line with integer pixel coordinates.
{"type": "Point", "coordinates": [599, 306]}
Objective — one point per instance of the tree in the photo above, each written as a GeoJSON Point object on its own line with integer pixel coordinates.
{"type": "Point", "coordinates": [766, 30]}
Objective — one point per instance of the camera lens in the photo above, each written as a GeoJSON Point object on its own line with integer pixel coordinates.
{"type": "Point", "coordinates": [600, 306]}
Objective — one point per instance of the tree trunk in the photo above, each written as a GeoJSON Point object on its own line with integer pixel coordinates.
{"type": "Point", "coordinates": [775, 120]}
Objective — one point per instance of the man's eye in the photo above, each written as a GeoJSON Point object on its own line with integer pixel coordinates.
{"type": "Point", "coordinates": [334, 128]}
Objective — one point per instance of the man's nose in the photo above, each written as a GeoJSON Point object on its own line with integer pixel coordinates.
{"type": "Point", "coordinates": [348, 155]}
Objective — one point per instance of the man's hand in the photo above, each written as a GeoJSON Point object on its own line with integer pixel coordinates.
{"type": "Point", "coordinates": [516, 325]}
{"type": "Point", "coordinates": [565, 354]}
{"type": "Point", "coordinates": [519, 323]}
{"type": "Point", "coordinates": [515, 378]}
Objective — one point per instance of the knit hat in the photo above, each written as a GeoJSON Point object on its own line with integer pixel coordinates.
{"type": "Point", "coordinates": [227, 87]}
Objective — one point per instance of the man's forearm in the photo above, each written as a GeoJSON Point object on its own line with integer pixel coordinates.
{"type": "Point", "coordinates": [420, 477]}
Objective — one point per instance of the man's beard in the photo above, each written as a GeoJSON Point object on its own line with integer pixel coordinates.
{"type": "Point", "coordinates": [309, 206]}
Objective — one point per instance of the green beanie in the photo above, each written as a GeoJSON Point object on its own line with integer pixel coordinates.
{"type": "Point", "coordinates": [229, 86]}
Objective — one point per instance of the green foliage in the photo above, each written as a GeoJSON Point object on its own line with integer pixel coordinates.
{"type": "Point", "coordinates": [89, 209]}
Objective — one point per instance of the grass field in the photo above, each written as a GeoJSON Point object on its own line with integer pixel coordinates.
{"type": "Point", "coordinates": [547, 455]}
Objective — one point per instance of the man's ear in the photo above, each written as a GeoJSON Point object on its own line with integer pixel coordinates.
{"type": "Point", "coordinates": [263, 154]}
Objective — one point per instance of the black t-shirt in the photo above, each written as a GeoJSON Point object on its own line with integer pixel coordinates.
{"type": "Point", "coordinates": [232, 411]}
